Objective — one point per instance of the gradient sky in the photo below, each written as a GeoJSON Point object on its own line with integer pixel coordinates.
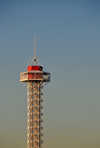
{"type": "Point", "coordinates": [68, 42]}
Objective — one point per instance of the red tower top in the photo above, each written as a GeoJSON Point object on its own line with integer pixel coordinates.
{"type": "Point", "coordinates": [34, 70]}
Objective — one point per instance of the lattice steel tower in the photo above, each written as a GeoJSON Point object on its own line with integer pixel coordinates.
{"type": "Point", "coordinates": [34, 78]}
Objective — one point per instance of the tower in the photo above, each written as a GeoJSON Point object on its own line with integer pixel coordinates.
{"type": "Point", "coordinates": [34, 78]}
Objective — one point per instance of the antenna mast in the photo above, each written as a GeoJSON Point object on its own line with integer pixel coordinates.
{"type": "Point", "coordinates": [34, 50]}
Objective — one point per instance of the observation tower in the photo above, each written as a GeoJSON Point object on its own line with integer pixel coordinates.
{"type": "Point", "coordinates": [35, 79]}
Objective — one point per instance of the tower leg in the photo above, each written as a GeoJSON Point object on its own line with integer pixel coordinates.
{"type": "Point", "coordinates": [35, 115]}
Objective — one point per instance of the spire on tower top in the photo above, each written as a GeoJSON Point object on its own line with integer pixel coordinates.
{"type": "Point", "coordinates": [34, 50]}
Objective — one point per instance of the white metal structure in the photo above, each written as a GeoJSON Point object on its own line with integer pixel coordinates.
{"type": "Point", "coordinates": [34, 78]}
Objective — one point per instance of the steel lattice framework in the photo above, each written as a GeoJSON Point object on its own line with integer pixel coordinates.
{"type": "Point", "coordinates": [35, 115]}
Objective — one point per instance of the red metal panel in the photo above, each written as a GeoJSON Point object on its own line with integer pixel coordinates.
{"type": "Point", "coordinates": [35, 76]}
{"type": "Point", "coordinates": [34, 68]}
{"type": "Point", "coordinates": [31, 76]}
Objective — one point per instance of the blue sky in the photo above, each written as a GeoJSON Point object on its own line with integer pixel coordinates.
{"type": "Point", "coordinates": [68, 42]}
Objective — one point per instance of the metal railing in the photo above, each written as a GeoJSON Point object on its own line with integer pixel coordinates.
{"type": "Point", "coordinates": [31, 76]}
{"type": "Point", "coordinates": [23, 77]}
{"type": "Point", "coordinates": [46, 77]}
